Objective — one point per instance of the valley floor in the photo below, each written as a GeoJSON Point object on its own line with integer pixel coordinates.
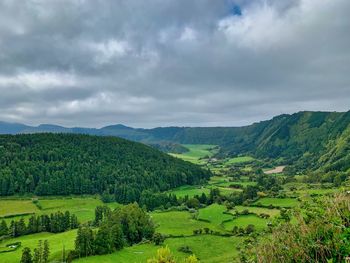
{"type": "Point", "coordinates": [218, 245]}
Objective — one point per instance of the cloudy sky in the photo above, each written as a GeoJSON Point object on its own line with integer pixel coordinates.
{"type": "Point", "coordinates": [171, 62]}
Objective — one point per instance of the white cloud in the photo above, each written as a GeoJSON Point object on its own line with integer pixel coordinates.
{"type": "Point", "coordinates": [109, 50]}
{"type": "Point", "coordinates": [39, 80]}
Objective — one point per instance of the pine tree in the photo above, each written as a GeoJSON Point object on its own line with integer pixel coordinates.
{"type": "Point", "coordinates": [37, 256]}
{"type": "Point", "coordinates": [84, 242]}
{"type": "Point", "coordinates": [46, 252]}
{"type": "Point", "coordinates": [38, 253]}
{"type": "Point", "coordinates": [26, 256]}
{"type": "Point", "coordinates": [21, 227]}
{"type": "Point", "coordinates": [3, 228]}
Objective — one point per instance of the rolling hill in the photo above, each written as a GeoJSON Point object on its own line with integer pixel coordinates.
{"type": "Point", "coordinates": [63, 164]}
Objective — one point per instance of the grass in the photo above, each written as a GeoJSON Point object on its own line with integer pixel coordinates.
{"type": "Point", "coordinates": [241, 159]}
{"type": "Point", "coordinates": [209, 249]}
{"type": "Point", "coordinates": [189, 190]}
{"type": "Point", "coordinates": [227, 191]}
{"type": "Point", "coordinates": [214, 214]}
{"type": "Point", "coordinates": [15, 207]}
{"type": "Point", "coordinates": [82, 207]}
{"type": "Point", "coordinates": [318, 191]}
{"type": "Point", "coordinates": [196, 152]}
{"type": "Point", "coordinates": [282, 202]}
{"type": "Point", "coordinates": [56, 242]}
{"type": "Point", "coordinates": [257, 210]}
{"type": "Point", "coordinates": [245, 220]}
{"type": "Point", "coordinates": [227, 183]}
{"type": "Point", "coordinates": [178, 223]}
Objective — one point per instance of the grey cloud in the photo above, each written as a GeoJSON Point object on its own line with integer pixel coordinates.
{"type": "Point", "coordinates": [166, 62]}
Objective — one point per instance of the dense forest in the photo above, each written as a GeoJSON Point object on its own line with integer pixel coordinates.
{"type": "Point", "coordinates": [61, 164]}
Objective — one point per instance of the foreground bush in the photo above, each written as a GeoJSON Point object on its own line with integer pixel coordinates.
{"type": "Point", "coordinates": [164, 255]}
{"type": "Point", "coordinates": [321, 234]}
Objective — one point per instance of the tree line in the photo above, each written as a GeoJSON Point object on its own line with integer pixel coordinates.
{"type": "Point", "coordinates": [40, 255]}
{"type": "Point", "coordinates": [54, 223]}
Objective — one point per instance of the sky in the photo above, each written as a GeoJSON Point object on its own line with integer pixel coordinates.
{"type": "Point", "coordinates": [171, 62]}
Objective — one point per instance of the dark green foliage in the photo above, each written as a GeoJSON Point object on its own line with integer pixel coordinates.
{"type": "Point", "coordinates": [128, 224]}
{"type": "Point", "coordinates": [3, 228]}
{"type": "Point", "coordinates": [169, 147]}
{"type": "Point", "coordinates": [158, 239]}
{"type": "Point", "coordinates": [46, 252]}
{"type": "Point", "coordinates": [136, 223]}
{"type": "Point", "coordinates": [54, 223]}
{"type": "Point", "coordinates": [84, 242]}
{"type": "Point", "coordinates": [26, 256]}
{"type": "Point", "coordinates": [193, 203]}
{"type": "Point", "coordinates": [152, 200]}
{"type": "Point", "coordinates": [61, 164]}
{"type": "Point", "coordinates": [41, 252]}
{"type": "Point", "coordinates": [101, 213]}
{"type": "Point", "coordinates": [104, 240]}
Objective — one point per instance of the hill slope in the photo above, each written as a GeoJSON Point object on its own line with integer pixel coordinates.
{"type": "Point", "coordinates": [305, 139]}
{"type": "Point", "coordinates": [61, 164]}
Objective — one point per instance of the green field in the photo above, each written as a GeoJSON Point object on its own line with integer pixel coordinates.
{"type": "Point", "coordinates": [196, 152]}
{"type": "Point", "coordinates": [56, 241]}
{"type": "Point", "coordinates": [241, 159]}
{"type": "Point", "coordinates": [189, 190]}
{"type": "Point", "coordinates": [245, 220]}
{"type": "Point", "coordinates": [257, 210]}
{"type": "Point", "coordinates": [82, 207]}
{"type": "Point", "coordinates": [185, 224]}
{"type": "Point", "coordinates": [15, 207]}
{"type": "Point", "coordinates": [208, 248]}
{"type": "Point", "coordinates": [214, 214]}
{"type": "Point", "coordinates": [282, 202]}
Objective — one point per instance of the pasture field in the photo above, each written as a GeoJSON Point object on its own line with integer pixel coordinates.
{"type": "Point", "coordinates": [226, 190]}
{"type": "Point", "coordinates": [241, 159]}
{"type": "Point", "coordinates": [56, 241]}
{"type": "Point", "coordinates": [15, 207]}
{"type": "Point", "coordinates": [257, 210]}
{"type": "Point", "coordinates": [245, 220]}
{"type": "Point", "coordinates": [196, 152]}
{"type": "Point", "coordinates": [178, 223]}
{"type": "Point", "coordinates": [208, 248]}
{"type": "Point", "coordinates": [282, 202]}
{"type": "Point", "coordinates": [82, 207]}
{"type": "Point", "coordinates": [214, 213]}
{"type": "Point", "coordinates": [189, 190]}
{"type": "Point", "coordinates": [319, 191]}
{"type": "Point", "coordinates": [227, 183]}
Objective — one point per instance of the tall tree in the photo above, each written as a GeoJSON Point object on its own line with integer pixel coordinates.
{"type": "Point", "coordinates": [26, 256]}
{"type": "Point", "coordinates": [46, 252]}
{"type": "Point", "coordinates": [3, 228]}
{"type": "Point", "coordinates": [84, 242]}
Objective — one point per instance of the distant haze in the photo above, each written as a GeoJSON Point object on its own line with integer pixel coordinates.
{"type": "Point", "coordinates": [171, 62]}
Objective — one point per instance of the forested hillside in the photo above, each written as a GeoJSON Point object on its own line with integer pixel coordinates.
{"type": "Point", "coordinates": [61, 164]}
{"type": "Point", "coordinates": [305, 139]}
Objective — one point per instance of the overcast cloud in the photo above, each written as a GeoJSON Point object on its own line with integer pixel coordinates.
{"type": "Point", "coordinates": [171, 62]}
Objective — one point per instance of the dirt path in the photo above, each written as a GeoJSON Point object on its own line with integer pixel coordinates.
{"type": "Point", "coordinates": [276, 170]}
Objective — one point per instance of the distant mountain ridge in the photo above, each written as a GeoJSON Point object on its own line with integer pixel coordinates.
{"type": "Point", "coordinates": [308, 139]}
